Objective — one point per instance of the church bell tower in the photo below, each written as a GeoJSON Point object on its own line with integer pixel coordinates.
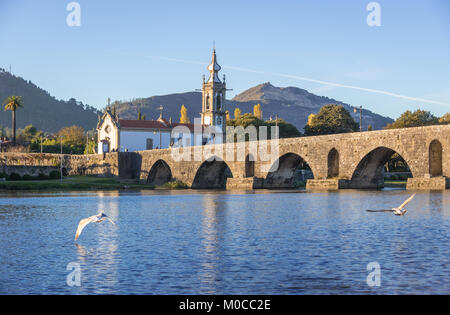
{"type": "Point", "coordinates": [213, 97]}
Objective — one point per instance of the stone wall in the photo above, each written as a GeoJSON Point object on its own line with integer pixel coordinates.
{"type": "Point", "coordinates": [30, 164]}
{"type": "Point", "coordinates": [435, 183]}
{"type": "Point", "coordinates": [33, 171]}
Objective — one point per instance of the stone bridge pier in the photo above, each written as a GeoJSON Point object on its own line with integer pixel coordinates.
{"type": "Point", "coordinates": [343, 161]}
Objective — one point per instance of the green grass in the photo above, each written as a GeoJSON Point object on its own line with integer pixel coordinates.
{"type": "Point", "coordinates": [72, 183]}
{"type": "Point", "coordinates": [173, 185]}
{"type": "Point", "coordinates": [395, 183]}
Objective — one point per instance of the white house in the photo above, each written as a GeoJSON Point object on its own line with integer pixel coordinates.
{"type": "Point", "coordinates": [120, 135]}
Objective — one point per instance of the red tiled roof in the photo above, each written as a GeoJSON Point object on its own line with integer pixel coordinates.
{"type": "Point", "coordinates": [190, 126]}
{"type": "Point", "coordinates": [152, 124]}
{"type": "Point", "coordinates": [143, 124]}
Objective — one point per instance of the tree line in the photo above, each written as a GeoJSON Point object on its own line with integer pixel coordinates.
{"type": "Point", "coordinates": [331, 119]}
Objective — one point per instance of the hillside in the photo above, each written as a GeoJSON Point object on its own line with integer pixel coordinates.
{"type": "Point", "coordinates": [41, 109]}
{"type": "Point", "coordinates": [295, 105]}
{"type": "Point", "coordinates": [292, 104]}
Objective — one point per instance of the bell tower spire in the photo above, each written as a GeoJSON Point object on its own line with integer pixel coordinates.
{"type": "Point", "coordinates": [214, 96]}
{"type": "Point", "coordinates": [214, 69]}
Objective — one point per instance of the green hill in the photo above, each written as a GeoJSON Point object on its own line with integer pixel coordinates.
{"type": "Point", "coordinates": [41, 109]}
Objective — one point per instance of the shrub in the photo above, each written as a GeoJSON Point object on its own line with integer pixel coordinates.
{"type": "Point", "coordinates": [299, 184]}
{"type": "Point", "coordinates": [3, 175]}
{"type": "Point", "coordinates": [15, 176]}
{"type": "Point", "coordinates": [176, 184]}
{"type": "Point", "coordinates": [55, 175]}
{"type": "Point", "coordinates": [27, 177]}
{"type": "Point", "coordinates": [42, 176]}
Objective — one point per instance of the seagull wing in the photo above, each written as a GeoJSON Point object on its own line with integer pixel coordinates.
{"type": "Point", "coordinates": [380, 210]}
{"type": "Point", "coordinates": [406, 202]}
{"type": "Point", "coordinates": [102, 217]}
{"type": "Point", "coordinates": [110, 220]}
{"type": "Point", "coordinates": [82, 225]}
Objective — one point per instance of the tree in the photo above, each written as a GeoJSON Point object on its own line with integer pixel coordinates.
{"type": "Point", "coordinates": [310, 119]}
{"type": "Point", "coordinates": [286, 130]}
{"type": "Point", "coordinates": [237, 113]}
{"type": "Point", "coordinates": [414, 119]}
{"type": "Point", "coordinates": [228, 114]}
{"type": "Point", "coordinates": [331, 119]}
{"type": "Point", "coordinates": [184, 115]}
{"type": "Point", "coordinates": [369, 128]}
{"type": "Point", "coordinates": [73, 135]}
{"type": "Point", "coordinates": [29, 133]}
{"type": "Point", "coordinates": [12, 103]}
{"type": "Point", "coordinates": [445, 120]}
{"type": "Point", "coordinates": [257, 112]}
{"type": "Point", "coordinates": [139, 115]}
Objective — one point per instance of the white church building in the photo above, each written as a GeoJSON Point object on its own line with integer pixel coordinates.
{"type": "Point", "coordinates": [119, 135]}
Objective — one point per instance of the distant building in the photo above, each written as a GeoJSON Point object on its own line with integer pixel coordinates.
{"type": "Point", "coordinates": [5, 143]}
{"type": "Point", "coordinates": [119, 135]}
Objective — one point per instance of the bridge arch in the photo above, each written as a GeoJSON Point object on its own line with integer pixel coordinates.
{"type": "Point", "coordinates": [370, 171]}
{"type": "Point", "coordinates": [435, 158]}
{"type": "Point", "coordinates": [212, 174]}
{"type": "Point", "coordinates": [249, 166]}
{"type": "Point", "coordinates": [333, 163]}
{"type": "Point", "coordinates": [283, 172]}
{"type": "Point", "coordinates": [160, 173]}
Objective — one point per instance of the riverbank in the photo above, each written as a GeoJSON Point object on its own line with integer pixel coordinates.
{"type": "Point", "coordinates": [73, 183]}
{"type": "Point", "coordinates": [98, 183]}
{"type": "Point", "coordinates": [395, 183]}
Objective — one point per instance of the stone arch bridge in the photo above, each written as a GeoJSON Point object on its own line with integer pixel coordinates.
{"type": "Point", "coordinates": [354, 160]}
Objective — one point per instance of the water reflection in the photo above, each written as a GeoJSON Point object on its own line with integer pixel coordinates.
{"type": "Point", "coordinates": [209, 273]}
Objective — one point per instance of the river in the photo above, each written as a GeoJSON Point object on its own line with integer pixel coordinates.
{"type": "Point", "coordinates": [216, 242]}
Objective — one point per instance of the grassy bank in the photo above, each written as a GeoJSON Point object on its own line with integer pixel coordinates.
{"type": "Point", "coordinates": [395, 183]}
{"type": "Point", "coordinates": [72, 183]}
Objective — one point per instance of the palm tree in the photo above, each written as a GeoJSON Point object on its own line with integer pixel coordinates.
{"type": "Point", "coordinates": [12, 103]}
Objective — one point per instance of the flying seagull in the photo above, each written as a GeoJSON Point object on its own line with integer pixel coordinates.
{"type": "Point", "coordinates": [95, 219]}
{"type": "Point", "coordinates": [397, 211]}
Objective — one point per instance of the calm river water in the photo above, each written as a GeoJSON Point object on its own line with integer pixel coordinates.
{"type": "Point", "coordinates": [276, 242]}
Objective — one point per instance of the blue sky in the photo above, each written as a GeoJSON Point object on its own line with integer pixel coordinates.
{"type": "Point", "coordinates": [116, 51]}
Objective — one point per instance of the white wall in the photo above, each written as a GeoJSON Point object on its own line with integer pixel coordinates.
{"type": "Point", "coordinates": [112, 135]}
{"type": "Point", "coordinates": [137, 140]}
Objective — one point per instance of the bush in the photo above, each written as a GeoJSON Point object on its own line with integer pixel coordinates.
{"type": "Point", "coordinates": [176, 185]}
{"type": "Point", "coordinates": [299, 184]}
{"type": "Point", "coordinates": [15, 176]}
{"type": "Point", "coordinates": [27, 177]}
{"type": "Point", "coordinates": [42, 176]}
{"type": "Point", "coordinates": [55, 175]}
{"type": "Point", "coordinates": [3, 175]}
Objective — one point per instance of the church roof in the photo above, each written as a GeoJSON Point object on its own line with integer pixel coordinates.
{"type": "Point", "coordinates": [143, 124]}
{"type": "Point", "coordinates": [152, 124]}
{"type": "Point", "coordinates": [214, 68]}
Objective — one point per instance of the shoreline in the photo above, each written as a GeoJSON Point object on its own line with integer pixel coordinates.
{"type": "Point", "coordinates": [87, 183]}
